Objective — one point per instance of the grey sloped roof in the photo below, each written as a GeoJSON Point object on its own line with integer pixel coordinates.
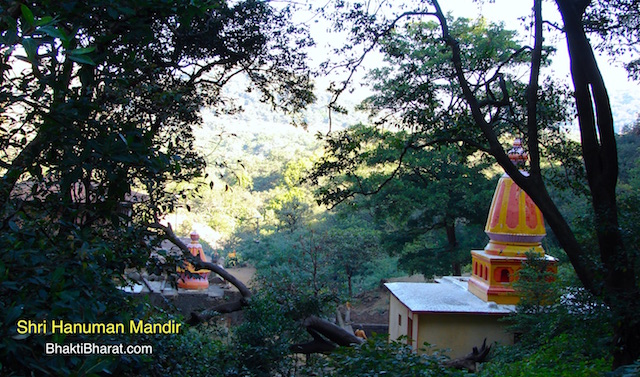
{"type": "Point", "coordinates": [447, 295]}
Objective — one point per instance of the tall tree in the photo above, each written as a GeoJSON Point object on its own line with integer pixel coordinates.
{"type": "Point", "coordinates": [353, 244]}
{"type": "Point", "coordinates": [608, 271]}
{"type": "Point", "coordinates": [421, 196]}
{"type": "Point", "coordinates": [135, 74]}
{"type": "Point", "coordinates": [292, 205]}
{"type": "Point", "coordinates": [616, 278]}
{"type": "Point", "coordinates": [417, 92]}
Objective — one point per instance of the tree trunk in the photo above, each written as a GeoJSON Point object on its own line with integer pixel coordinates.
{"type": "Point", "coordinates": [601, 163]}
{"type": "Point", "coordinates": [470, 361]}
{"type": "Point", "coordinates": [533, 184]}
{"type": "Point", "coordinates": [453, 246]}
{"type": "Point", "coordinates": [334, 333]}
{"type": "Point", "coordinates": [326, 337]}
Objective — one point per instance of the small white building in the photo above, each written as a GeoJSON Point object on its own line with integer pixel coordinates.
{"type": "Point", "coordinates": [446, 316]}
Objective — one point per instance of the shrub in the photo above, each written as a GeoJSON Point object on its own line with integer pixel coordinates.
{"type": "Point", "coordinates": [378, 357]}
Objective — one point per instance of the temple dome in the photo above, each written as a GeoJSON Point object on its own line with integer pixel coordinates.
{"type": "Point", "coordinates": [515, 224]}
{"type": "Point", "coordinates": [515, 227]}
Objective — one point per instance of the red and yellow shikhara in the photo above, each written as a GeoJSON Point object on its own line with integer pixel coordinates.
{"type": "Point", "coordinates": [515, 227]}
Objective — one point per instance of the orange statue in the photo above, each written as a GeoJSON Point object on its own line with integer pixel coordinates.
{"type": "Point", "coordinates": [196, 279]}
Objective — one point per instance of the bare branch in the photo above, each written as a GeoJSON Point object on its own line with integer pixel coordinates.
{"type": "Point", "coordinates": [553, 25]}
{"type": "Point", "coordinates": [532, 93]}
{"type": "Point", "coordinates": [354, 64]}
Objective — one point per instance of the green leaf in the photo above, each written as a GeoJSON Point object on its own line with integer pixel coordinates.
{"type": "Point", "coordinates": [14, 227]}
{"type": "Point", "coordinates": [11, 24]}
{"type": "Point", "coordinates": [27, 14]}
{"type": "Point", "coordinates": [6, 54]}
{"type": "Point", "coordinates": [12, 315]}
{"type": "Point", "coordinates": [127, 11]}
{"type": "Point", "coordinates": [113, 13]}
{"type": "Point", "coordinates": [57, 274]}
{"type": "Point", "coordinates": [95, 365]}
{"type": "Point", "coordinates": [31, 47]}
{"type": "Point", "coordinates": [82, 51]}
{"type": "Point", "coordinates": [54, 32]}
{"type": "Point", "coordinates": [83, 59]}
{"type": "Point", "coordinates": [44, 21]}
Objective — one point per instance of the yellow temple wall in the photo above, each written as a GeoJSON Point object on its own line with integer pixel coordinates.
{"type": "Point", "coordinates": [398, 318]}
{"type": "Point", "coordinates": [459, 333]}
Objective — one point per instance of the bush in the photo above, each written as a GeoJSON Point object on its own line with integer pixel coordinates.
{"type": "Point", "coordinates": [558, 358]}
{"type": "Point", "coordinates": [262, 340]}
{"type": "Point", "coordinates": [201, 351]}
{"type": "Point", "coordinates": [378, 357]}
{"type": "Point", "coordinates": [564, 331]}
{"type": "Point", "coordinates": [66, 276]}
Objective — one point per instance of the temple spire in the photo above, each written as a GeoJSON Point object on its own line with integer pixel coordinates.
{"type": "Point", "coordinates": [515, 226]}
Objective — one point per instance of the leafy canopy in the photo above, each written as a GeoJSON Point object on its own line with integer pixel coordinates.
{"type": "Point", "coordinates": [98, 101]}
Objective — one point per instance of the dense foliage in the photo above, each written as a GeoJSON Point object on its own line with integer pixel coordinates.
{"type": "Point", "coordinates": [417, 164]}
{"type": "Point", "coordinates": [98, 102]}
{"type": "Point", "coordinates": [562, 329]}
{"type": "Point", "coordinates": [617, 24]}
{"type": "Point", "coordinates": [379, 357]}
{"type": "Point", "coordinates": [424, 200]}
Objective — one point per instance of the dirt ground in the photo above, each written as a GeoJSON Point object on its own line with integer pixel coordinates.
{"type": "Point", "coordinates": [244, 274]}
{"type": "Point", "coordinates": [369, 310]}
{"type": "Point", "coordinates": [372, 307]}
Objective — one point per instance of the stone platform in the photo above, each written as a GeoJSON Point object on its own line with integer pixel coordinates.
{"type": "Point", "coordinates": [183, 301]}
{"type": "Point", "coordinates": [165, 289]}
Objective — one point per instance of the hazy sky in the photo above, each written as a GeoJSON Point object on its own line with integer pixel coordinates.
{"type": "Point", "coordinates": [508, 11]}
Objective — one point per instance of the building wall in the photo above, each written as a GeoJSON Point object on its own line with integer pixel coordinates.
{"type": "Point", "coordinates": [398, 318]}
{"type": "Point", "coordinates": [460, 332]}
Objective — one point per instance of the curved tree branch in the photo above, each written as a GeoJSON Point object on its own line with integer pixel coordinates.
{"type": "Point", "coordinates": [532, 93]}
{"type": "Point", "coordinates": [532, 185]}
{"type": "Point", "coordinates": [169, 235]}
